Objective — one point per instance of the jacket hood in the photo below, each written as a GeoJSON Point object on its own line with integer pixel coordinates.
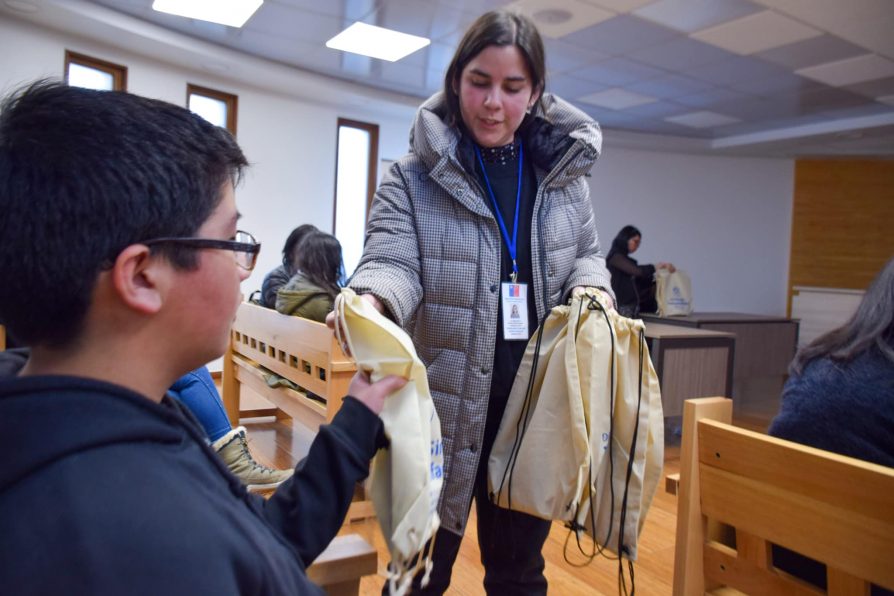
{"type": "Point", "coordinates": [547, 136]}
{"type": "Point", "coordinates": [44, 419]}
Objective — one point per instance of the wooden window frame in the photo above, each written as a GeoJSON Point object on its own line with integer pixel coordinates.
{"type": "Point", "coordinates": [372, 171]}
{"type": "Point", "coordinates": [118, 71]}
{"type": "Point", "coordinates": [230, 99]}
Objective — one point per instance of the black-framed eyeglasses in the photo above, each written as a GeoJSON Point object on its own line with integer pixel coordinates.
{"type": "Point", "coordinates": [244, 246]}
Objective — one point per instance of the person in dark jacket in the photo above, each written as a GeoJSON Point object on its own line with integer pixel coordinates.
{"type": "Point", "coordinates": [840, 397]}
{"type": "Point", "coordinates": [633, 284]}
{"type": "Point", "coordinates": [312, 290]}
{"type": "Point", "coordinates": [119, 229]}
{"type": "Point", "coordinates": [280, 276]}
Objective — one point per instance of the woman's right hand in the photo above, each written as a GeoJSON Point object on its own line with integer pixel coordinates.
{"type": "Point", "coordinates": [669, 266]}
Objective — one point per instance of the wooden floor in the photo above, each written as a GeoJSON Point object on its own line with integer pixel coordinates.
{"type": "Point", "coordinates": [282, 444]}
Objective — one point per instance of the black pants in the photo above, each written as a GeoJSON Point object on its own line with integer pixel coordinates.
{"type": "Point", "coordinates": [511, 543]}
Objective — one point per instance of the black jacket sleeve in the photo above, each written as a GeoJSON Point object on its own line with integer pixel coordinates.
{"type": "Point", "coordinates": [629, 266]}
{"type": "Point", "coordinates": [309, 508]}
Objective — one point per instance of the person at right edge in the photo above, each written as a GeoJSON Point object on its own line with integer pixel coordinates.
{"type": "Point", "coordinates": [490, 209]}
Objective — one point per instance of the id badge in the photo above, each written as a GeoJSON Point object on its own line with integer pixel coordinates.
{"type": "Point", "coordinates": [514, 302]}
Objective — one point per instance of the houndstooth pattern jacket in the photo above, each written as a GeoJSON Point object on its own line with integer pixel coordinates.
{"type": "Point", "coordinates": [432, 256]}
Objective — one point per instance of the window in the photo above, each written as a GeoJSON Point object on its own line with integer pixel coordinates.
{"type": "Point", "coordinates": [216, 107]}
{"type": "Point", "coordinates": [357, 152]}
{"type": "Point", "coordinates": [93, 73]}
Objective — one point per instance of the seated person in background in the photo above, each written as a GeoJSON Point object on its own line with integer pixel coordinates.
{"type": "Point", "coordinates": [280, 276]}
{"type": "Point", "coordinates": [840, 397]}
{"type": "Point", "coordinates": [312, 290]}
{"type": "Point", "coordinates": [122, 285]}
{"type": "Point", "coordinates": [196, 391]}
{"type": "Point", "coordinates": [633, 284]}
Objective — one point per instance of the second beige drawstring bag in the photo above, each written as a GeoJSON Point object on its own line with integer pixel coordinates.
{"type": "Point", "coordinates": [406, 477]}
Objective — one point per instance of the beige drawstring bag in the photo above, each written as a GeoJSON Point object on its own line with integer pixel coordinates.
{"type": "Point", "coordinates": [406, 478]}
{"type": "Point", "coordinates": [570, 425]}
{"type": "Point", "coordinates": [673, 293]}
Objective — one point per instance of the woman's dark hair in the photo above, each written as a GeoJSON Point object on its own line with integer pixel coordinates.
{"type": "Point", "coordinates": [619, 244]}
{"type": "Point", "coordinates": [871, 325]}
{"type": "Point", "coordinates": [496, 28]}
{"type": "Point", "coordinates": [319, 259]}
{"type": "Point", "coordinates": [292, 242]}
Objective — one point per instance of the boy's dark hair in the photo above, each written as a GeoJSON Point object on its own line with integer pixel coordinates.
{"type": "Point", "coordinates": [83, 175]}
{"type": "Point", "coordinates": [319, 259]}
{"type": "Point", "coordinates": [497, 28]}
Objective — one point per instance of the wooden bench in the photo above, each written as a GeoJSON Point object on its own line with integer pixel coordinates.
{"type": "Point", "coordinates": [306, 353]}
{"type": "Point", "coordinates": [740, 491]}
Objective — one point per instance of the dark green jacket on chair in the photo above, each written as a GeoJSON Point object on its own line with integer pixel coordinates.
{"type": "Point", "coordinates": [302, 298]}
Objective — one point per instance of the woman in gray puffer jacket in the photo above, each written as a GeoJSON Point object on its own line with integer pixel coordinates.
{"type": "Point", "coordinates": [489, 208]}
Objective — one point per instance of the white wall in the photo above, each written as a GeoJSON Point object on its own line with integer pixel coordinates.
{"type": "Point", "coordinates": [289, 141]}
{"type": "Point", "coordinates": [725, 220]}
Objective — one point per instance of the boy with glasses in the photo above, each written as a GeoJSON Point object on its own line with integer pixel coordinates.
{"type": "Point", "coordinates": [121, 263]}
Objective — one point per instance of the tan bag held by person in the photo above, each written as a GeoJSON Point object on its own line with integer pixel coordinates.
{"type": "Point", "coordinates": [584, 408]}
{"type": "Point", "coordinates": [406, 477]}
{"type": "Point", "coordinates": [673, 292]}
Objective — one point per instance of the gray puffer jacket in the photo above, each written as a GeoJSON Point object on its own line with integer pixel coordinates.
{"type": "Point", "coordinates": [432, 256]}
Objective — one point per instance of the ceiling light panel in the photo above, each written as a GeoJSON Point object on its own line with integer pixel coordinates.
{"type": "Point", "coordinates": [617, 99]}
{"type": "Point", "coordinates": [558, 18]}
{"type": "Point", "coordinates": [850, 71]}
{"type": "Point", "coordinates": [702, 119]}
{"type": "Point", "coordinates": [233, 13]}
{"type": "Point", "coordinates": [756, 33]}
{"type": "Point", "coordinates": [376, 42]}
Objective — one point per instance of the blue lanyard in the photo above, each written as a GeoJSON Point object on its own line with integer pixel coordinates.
{"type": "Point", "coordinates": [510, 242]}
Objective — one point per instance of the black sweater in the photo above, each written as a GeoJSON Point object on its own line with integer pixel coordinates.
{"type": "Point", "coordinates": [103, 491]}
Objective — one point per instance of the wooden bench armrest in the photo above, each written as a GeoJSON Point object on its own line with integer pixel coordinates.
{"type": "Point", "coordinates": [346, 559]}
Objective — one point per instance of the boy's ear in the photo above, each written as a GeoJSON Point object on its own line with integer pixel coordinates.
{"type": "Point", "coordinates": [140, 280]}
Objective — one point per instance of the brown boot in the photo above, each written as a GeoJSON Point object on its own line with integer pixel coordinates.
{"type": "Point", "coordinates": [233, 450]}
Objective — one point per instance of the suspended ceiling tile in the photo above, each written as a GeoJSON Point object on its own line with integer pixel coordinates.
{"type": "Point", "coordinates": [620, 35]}
{"type": "Point", "coordinates": [425, 19]}
{"type": "Point", "coordinates": [571, 88]}
{"type": "Point", "coordinates": [776, 84]}
{"type": "Point", "coordinates": [558, 18]}
{"type": "Point", "coordinates": [562, 57]}
{"type": "Point", "coordinates": [702, 119]}
{"type": "Point", "coordinates": [669, 86]}
{"type": "Point", "coordinates": [888, 99]}
{"type": "Point", "coordinates": [869, 109]}
{"type": "Point", "coordinates": [830, 98]}
{"type": "Point", "coordinates": [616, 99]}
{"type": "Point", "coordinates": [709, 97]}
{"type": "Point", "coordinates": [620, 6]}
{"type": "Point", "coordinates": [692, 15]}
{"type": "Point", "coordinates": [680, 54]}
{"type": "Point", "coordinates": [756, 33]}
{"type": "Point", "coordinates": [867, 23]}
{"type": "Point", "coordinates": [657, 109]}
{"type": "Point", "coordinates": [406, 75]}
{"type": "Point", "coordinates": [876, 88]}
{"type": "Point", "coordinates": [617, 71]}
{"type": "Point", "coordinates": [809, 52]}
{"type": "Point", "coordinates": [736, 70]}
{"type": "Point", "coordinates": [283, 20]}
{"type": "Point", "coordinates": [850, 70]}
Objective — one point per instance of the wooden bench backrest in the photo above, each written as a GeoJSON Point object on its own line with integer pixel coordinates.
{"type": "Point", "coordinates": [835, 509]}
{"type": "Point", "coordinates": [302, 351]}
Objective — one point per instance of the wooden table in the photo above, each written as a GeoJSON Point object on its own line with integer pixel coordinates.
{"type": "Point", "coordinates": [690, 363]}
{"type": "Point", "coordinates": [765, 346]}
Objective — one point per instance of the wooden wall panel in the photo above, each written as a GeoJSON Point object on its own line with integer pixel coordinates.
{"type": "Point", "coordinates": [842, 222]}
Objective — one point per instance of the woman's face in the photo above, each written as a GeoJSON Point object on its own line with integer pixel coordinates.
{"type": "Point", "coordinates": [494, 93]}
{"type": "Point", "coordinates": [633, 244]}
